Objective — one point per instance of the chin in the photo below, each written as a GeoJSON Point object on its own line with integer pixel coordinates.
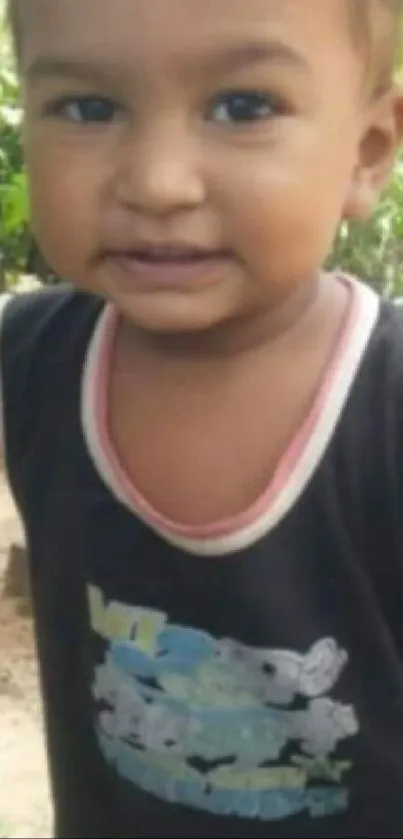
{"type": "Point", "coordinates": [171, 318]}
{"type": "Point", "coordinates": [167, 313]}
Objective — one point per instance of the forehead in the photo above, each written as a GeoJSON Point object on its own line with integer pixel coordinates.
{"type": "Point", "coordinates": [173, 30]}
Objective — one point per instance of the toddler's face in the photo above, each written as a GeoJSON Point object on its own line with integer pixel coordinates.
{"type": "Point", "coordinates": [231, 132]}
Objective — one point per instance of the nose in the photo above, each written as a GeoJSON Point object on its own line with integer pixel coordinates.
{"type": "Point", "coordinates": [160, 173]}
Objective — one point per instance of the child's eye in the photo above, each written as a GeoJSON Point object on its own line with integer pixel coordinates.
{"type": "Point", "coordinates": [84, 109]}
{"type": "Point", "coordinates": [243, 107]}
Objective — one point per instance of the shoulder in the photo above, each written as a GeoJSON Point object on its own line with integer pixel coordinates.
{"type": "Point", "coordinates": [36, 310]}
{"type": "Point", "coordinates": [374, 334]}
{"type": "Point", "coordinates": [370, 370]}
{"type": "Point", "coordinates": [44, 336]}
{"type": "Point", "coordinates": [385, 349]}
{"type": "Point", "coordinates": [376, 406]}
{"type": "Point", "coordinates": [38, 321]}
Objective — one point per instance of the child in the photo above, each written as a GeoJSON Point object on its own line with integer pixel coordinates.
{"type": "Point", "coordinates": [204, 433]}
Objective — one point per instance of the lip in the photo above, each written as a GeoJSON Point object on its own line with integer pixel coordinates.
{"type": "Point", "coordinates": [168, 268]}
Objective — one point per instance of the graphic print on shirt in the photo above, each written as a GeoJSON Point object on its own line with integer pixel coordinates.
{"type": "Point", "coordinates": [213, 724]}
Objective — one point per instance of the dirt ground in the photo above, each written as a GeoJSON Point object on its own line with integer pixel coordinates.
{"type": "Point", "coordinates": [25, 810]}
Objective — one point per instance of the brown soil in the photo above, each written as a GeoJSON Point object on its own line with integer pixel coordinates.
{"type": "Point", "coordinates": [25, 810]}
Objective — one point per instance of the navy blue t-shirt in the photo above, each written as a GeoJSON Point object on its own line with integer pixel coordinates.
{"type": "Point", "coordinates": [244, 685]}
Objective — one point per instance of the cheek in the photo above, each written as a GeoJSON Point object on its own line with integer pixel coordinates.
{"type": "Point", "coordinates": [65, 202]}
{"type": "Point", "coordinates": [283, 212]}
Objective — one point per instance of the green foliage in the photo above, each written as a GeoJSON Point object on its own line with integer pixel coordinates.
{"type": "Point", "coordinates": [374, 250]}
{"type": "Point", "coordinates": [14, 230]}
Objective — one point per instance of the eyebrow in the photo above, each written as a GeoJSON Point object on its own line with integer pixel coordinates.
{"type": "Point", "coordinates": [227, 60]}
{"type": "Point", "coordinates": [51, 67]}
{"type": "Point", "coordinates": [257, 52]}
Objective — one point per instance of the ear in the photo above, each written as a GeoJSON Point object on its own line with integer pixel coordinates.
{"type": "Point", "coordinates": [380, 139]}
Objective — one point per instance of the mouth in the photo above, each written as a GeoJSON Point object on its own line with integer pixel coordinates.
{"type": "Point", "coordinates": [168, 266]}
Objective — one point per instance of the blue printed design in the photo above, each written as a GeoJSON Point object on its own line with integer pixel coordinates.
{"type": "Point", "coordinates": [215, 725]}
